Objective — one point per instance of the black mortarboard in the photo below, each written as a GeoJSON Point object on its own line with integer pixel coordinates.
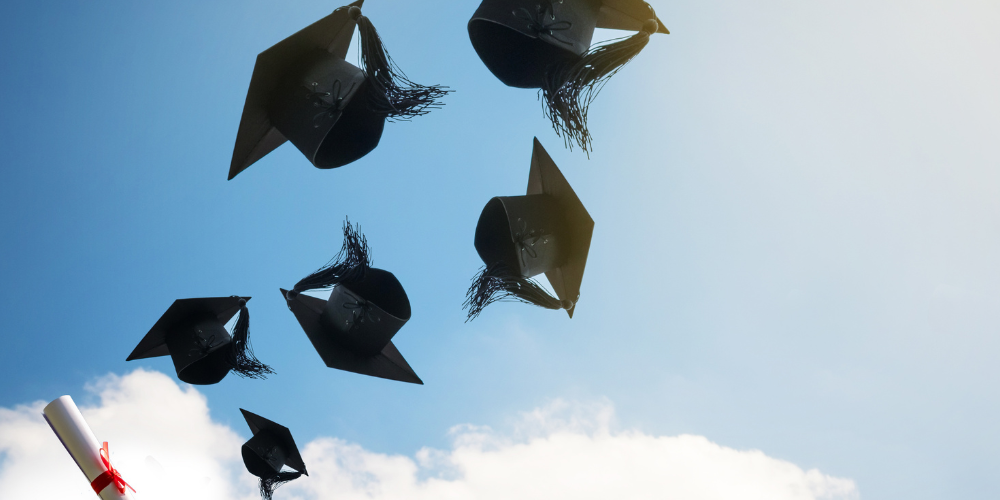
{"type": "Point", "coordinates": [303, 90]}
{"type": "Point", "coordinates": [546, 231]}
{"type": "Point", "coordinates": [269, 450]}
{"type": "Point", "coordinates": [545, 44]}
{"type": "Point", "coordinates": [193, 333]}
{"type": "Point", "coordinates": [353, 329]}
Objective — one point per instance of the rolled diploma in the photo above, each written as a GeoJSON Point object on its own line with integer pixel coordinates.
{"type": "Point", "coordinates": [70, 427]}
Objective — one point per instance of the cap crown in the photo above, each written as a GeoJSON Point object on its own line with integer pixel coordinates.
{"type": "Point", "coordinates": [263, 455]}
{"type": "Point", "coordinates": [364, 315]}
{"type": "Point", "coordinates": [519, 40]}
{"type": "Point", "coordinates": [524, 233]}
{"type": "Point", "coordinates": [197, 350]}
{"type": "Point", "coordinates": [323, 111]}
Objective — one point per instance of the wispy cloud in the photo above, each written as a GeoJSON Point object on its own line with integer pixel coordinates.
{"type": "Point", "coordinates": [165, 444]}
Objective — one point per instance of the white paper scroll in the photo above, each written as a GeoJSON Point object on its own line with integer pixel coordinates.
{"type": "Point", "coordinates": [68, 424]}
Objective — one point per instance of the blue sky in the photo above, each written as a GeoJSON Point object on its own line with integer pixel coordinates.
{"type": "Point", "coordinates": [796, 212]}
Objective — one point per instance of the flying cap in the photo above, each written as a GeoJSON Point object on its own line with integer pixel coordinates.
{"type": "Point", "coordinates": [269, 450]}
{"type": "Point", "coordinates": [547, 230]}
{"type": "Point", "coordinates": [303, 90]}
{"type": "Point", "coordinates": [193, 333]}
{"type": "Point", "coordinates": [546, 44]}
{"type": "Point", "coordinates": [353, 329]}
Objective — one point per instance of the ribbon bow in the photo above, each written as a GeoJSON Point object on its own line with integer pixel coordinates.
{"type": "Point", "coordinates": [361, 310]}
{"type": "Point", "coordinates": [543, 22]}
{"type": "Point", "coordinates": [203, 347]}
{"type": "Point", "coordinates": [331, 102]}
{"type": "Point", "coordinates": [109, 476]}
{"type": "Point", "coordinates": [527, 240]}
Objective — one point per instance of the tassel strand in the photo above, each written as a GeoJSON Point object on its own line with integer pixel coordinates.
{"type": "Point", "coordinates": [570, 89]}
{"type": "Point", "coordinates": [350, 264]}
{"type": "Point", "coordinates": [496, 283]}
{"type": "Point", "coordinates": [390, 92]}
{"type": "Point", "coordinates": [269, 484]}
{"type": "Point", "coordinates": [240, 356]}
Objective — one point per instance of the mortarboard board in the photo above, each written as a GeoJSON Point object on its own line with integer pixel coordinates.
{"type": "Point", "coordinates": [193, 333]}
{"type": "Point", "coordinates": [304, 91]}
{"type": "Point", "coordinates": [546, 44]}
{"type": "Point", "coordinates": [547, 230]}
{"type": "Point", "coordinates": [269, 450]}
{"type": "Point", "coordinates": [353, 329]}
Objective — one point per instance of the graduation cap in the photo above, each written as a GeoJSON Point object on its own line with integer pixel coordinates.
{"type": "Point", "coordinates": [546, 231]}
{"type": "Point", "coordinates": [353, 329]}
{"type": "Point", "coordinates": [193, 333]}
{"type": "Point", "coordinates": [546, 44]}
{"type": "Point", "coordinates": [269, 450]}
{"type": "Point", "coordinates": [304, 91]}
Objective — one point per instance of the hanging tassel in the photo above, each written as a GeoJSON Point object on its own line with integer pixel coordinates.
{"type": "Point", "coordinates": [496, 283]}
{"type": "Point", "coordinates": [350, 264]}
{"type": "Point", "coordinates": [569, 89]}
{"type": "Point", "coordinates": [269, 484]}
{"type": "Point", "coordinates": [240, 356]}
{"type": "Point", "coordinates": [390, 92]}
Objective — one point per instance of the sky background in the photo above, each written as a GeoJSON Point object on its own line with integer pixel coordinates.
{"type": "Point", "coordinates": [796, 205]}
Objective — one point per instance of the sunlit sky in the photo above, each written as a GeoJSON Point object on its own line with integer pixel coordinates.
{"type": "Point", "coordinates": [796, 205]}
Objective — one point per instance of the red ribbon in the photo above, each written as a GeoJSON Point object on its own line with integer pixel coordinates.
{"type": "Point", "coordinates": [109, 476]}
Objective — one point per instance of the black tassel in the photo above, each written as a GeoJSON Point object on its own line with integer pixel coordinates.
{"type": "Point", "coordinates": [240, 356]}
{"type": "Point", "coordinates": [569, 89]}
{"type": "Point", "coordinates": [390, 92]}
{"type": "Point", "coordinates": [269, 484]}
{"type": "Point", "coordinates": [496, 283]}
{"type": "Point", "coordinates": [350, 264]}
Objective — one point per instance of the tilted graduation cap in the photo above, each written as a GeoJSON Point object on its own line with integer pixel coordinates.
{"type": "Point", "coordinates": [304, 91]}
{"type": "Point", "coordinates": [193, 333]}
{"type": "Point", "coordinates": [269, 450]}
{"type": "Point", "coordinates": [545, 44]}
{"type": "Point", "coordinates": [353, 329]}
{"type": "Point", "coordinates": [545, 231]}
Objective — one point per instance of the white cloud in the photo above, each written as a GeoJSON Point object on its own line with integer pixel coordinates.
{"type": "Point", "coordinates": [160, 435]}
{"type": "Point", "coordinates": [165, 443]}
